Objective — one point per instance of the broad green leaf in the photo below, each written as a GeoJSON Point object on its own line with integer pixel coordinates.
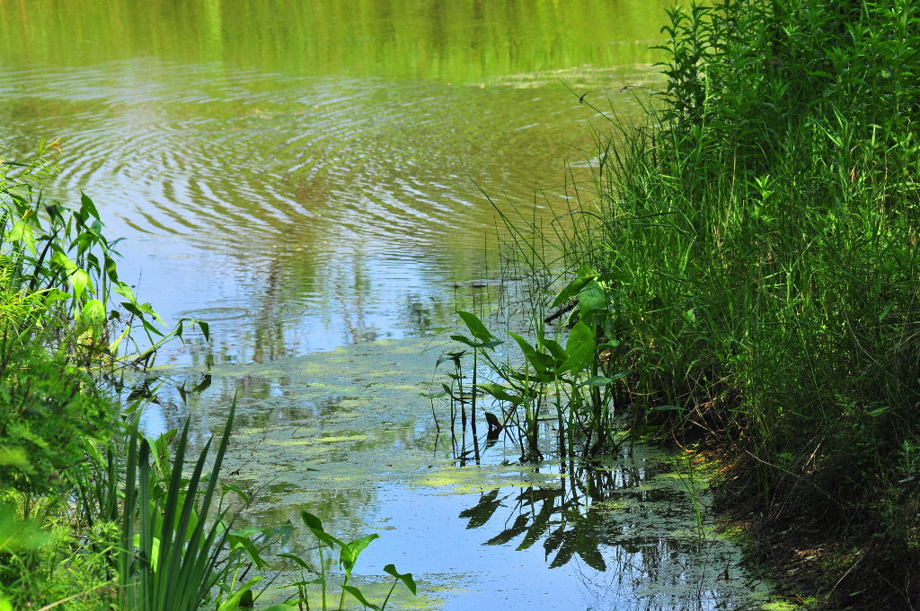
{"type": "Point", "coordinates": [580, 348]}
{"type": "Point", "coordinates": [501, 393]}
{"type": "Point", "coordinates": [541, 362]}
{"type": "Point", "coordinates": [79, 280]}
{"type": "Point", "coordinates": [233, 603]}
{"type": "Point", "coordinates": [56, 295]}
{"type": "Point", "coordinates": [476, 327]}
{"type": "Point", "coordinates": [245, 542]}
{"type": "Point", "coordinates": [282, 607]}
{"type": "Point", "coordinates": [316, 527]}
{"type": "Point", "coordinates": [126, 291]}
{"type": "Point", "coordinates": [93, 311]}
{"type": "Point", "coordinates": [311, 521]}
{"type": "Point", "coordinates": [604, 381]}
{"type": "Point", "coordinates": [87, 205]}
{"type": "Point", "coordinates": [555, 349]}
{"type": "Point", "coordinates": [406, 578]}
{"type": "Point", "coordinates": [22, 233]}
{"type": "Point", "coordinates": [572, 289]}
{"type": "Point", "coordinates": [591, 299]}
{"type": "Point", "coordinates": [352, 550]}
{"type": "Point", "coordinates": [360, 597]}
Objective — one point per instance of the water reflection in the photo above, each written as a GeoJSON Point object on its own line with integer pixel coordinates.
{"type": "Point", "coordinates": [630, 530]}
{"type": "Point", "coordinates": [294, 176]}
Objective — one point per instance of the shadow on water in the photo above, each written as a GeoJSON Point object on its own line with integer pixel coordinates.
{"type": "Point", "coordinates": [628, 531]}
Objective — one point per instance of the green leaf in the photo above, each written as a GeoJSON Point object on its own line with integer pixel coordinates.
{"type": "Point", "coordinates": [572, 289]}
{"type": "Point", "coordinates": [205, 329]}
{"type": "Point", "coordinates": [580, 348]}
{"type": "Point", "coordinates": [79, 280]}
{"type": "Point", "coordinates": [406, 578]}
{"type": "Point", "coordinates": [282, 607]}
{"type": "Point", "coordinates": [352, 550]}
{"type": "Point", "coordinates": [311, 521]}
{"type": "Point", "coordinates": [591, 299]}
{"type": "Point", "coordinates": [234, 602]}
{"type": "Point", "coordinates": [542, 362]}
{"type": "Point", "coordinates": [245, 542]}
{"type": "Point", "coordinates": [555, 349]}
{"type": "Point", "coordinates": [23, 234]}
{"type": "Point", "coordinates": [87, 205]}
{"type": "Point", "coordinates": [359, 597]}
{"type": "Point", "coordinates": [476, 327]}
{"type": "Point", "coordinates": [93, 311]}
{"type": "Point", "coordinates": [316, 527]}
{"type": "Point", "coordinates": [604, 381]}
{"type": "Point", "coordinates": [501, 393]}
{"type": "Point", "coordinates": [126, 291]}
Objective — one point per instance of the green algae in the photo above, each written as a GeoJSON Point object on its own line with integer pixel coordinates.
{"type": "Point", "coordinates": [350, 430]}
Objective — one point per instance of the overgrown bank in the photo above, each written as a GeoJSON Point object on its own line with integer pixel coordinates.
{"type": "Point", "coordinates": [94, 513]}
{"type": "Point", "coordinates": [760, 245]}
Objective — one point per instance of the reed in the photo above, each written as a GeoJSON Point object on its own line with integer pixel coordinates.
{"type": "Point", "coordinates": [761, 237]}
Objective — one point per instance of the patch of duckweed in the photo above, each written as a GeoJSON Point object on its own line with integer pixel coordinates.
{"type": "Point", "coordinates": [781, 605]}
{"type": "Point", "coordinates": [450, 479]}
{"type": "Point", "coordinates": [351, 434]}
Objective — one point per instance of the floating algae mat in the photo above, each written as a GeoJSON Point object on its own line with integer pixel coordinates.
{"type": "Point", "coordinates": [347, 436]}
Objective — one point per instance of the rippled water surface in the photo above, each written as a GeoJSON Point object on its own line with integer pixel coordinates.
{"type": "Point", "coordinates": [312, 174]}
{"type": "Point", "coordinates": [313, 177]}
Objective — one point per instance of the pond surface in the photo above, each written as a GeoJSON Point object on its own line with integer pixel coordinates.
{"type": "Point", "coordinates": [314, 179]}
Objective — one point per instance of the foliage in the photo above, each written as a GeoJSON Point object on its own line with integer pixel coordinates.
{"type": "Point", "coordinates": [761, 241]}
{"type": "Point", "coordinates": [348, 558]}
{"type": "Point", "coordinates": [51, 411]}
{"type": "Point", "coordinates": [573, 380]}
{"type": "Point", "coordinates": [92, 513]}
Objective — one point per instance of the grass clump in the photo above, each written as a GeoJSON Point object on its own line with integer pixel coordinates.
{"type": "Point", "coordinates": [761, 241]}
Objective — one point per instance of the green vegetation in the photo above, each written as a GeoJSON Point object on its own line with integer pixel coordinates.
{"type": "Point", "coordinates": [758, 246]}
{"type": "Point", "coordinates": [348, 558]}
{"type": "Point", "coordinates": [93, 514]}
{"type": "Point", "coordinates": [573, 382]}
{"type": "Point", "coordinates": [761, 243]}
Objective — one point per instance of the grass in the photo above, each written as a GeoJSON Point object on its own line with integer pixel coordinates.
{"type": "Point", "coordinates": [761, 237]}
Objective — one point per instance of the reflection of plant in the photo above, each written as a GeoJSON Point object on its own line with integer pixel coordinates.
{"type": "Point", "coordinates": [348, 558]}
{"type": "Point", "coordinates": [572, 379]}
{"type": "Point", "coordinates": [549, 514]}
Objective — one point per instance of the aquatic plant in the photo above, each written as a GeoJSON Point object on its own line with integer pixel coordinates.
{"type": "Point", "coordinates": [572, 379]}
{"type": "Point", "coordinates": [348, 554]}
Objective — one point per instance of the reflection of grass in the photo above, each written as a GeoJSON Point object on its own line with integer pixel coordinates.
{"type": "Point", "coordinates": [688, 470]}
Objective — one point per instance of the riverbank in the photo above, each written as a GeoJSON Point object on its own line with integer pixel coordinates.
{"type": "Point", "coordinates": [760, 244]}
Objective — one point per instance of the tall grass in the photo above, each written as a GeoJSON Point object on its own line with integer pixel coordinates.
{"type": "Point", "coordinates": [761, 235]}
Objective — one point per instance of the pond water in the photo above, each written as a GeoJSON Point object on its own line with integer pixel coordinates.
{"type": "Point", "coordinates": [314, 179]}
